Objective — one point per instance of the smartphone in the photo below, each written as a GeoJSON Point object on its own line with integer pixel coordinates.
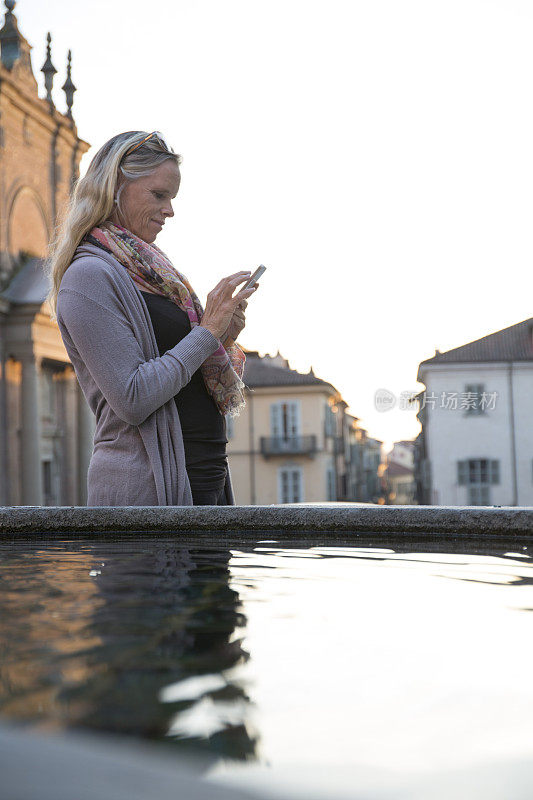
{"type": "Point", "coordinates": [255, 277]}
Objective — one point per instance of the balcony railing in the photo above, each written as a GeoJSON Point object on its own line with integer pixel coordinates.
{"type": "Point", "coordinates": [292, 445]}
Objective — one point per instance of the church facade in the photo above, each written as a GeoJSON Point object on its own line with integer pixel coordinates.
{"type": "Point", "coordinates": [46, 426]}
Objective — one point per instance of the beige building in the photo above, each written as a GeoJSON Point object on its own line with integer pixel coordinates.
{"type": "Point", "coordinates": [46, 426]}
{"type": "Point", "coordinates": [294, 440]}
{"type": "Point", "coordinates": [400, 473]}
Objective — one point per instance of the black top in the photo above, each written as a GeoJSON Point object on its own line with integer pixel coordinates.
{"type": "Point", "coordinates": [202, 424]}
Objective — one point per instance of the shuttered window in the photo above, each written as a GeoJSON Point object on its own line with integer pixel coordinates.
{"type": "Point", "coordinates": [472, 398]}
{"type": "Point", "coordinates": [290, 485]}
{"type": "Point", "coordinates": [478, 470]}
{"type": "Point", "coordinates": [285, 419]}
{"type": "Point", "coordinates": [479, 474]}
{"type": "Point", "coordinates": [479, 496]}
{"type": "Point", "coordinates": [330, 479]}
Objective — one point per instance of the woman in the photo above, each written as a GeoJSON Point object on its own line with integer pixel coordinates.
{"type": "Point", "coordinates": [158, 371]}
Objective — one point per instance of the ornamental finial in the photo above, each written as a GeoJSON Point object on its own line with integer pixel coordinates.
{"type": "Point", "coordinates": [10, 37]}
{"type": "Point", "coordinates": [68, 87]}
{"type": "Point", "coordinates": [49, 71]}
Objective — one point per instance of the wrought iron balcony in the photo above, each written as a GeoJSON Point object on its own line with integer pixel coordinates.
{"type": "Point", "coordinates": [292, 445]}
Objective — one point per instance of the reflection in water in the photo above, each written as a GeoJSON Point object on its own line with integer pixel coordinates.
{"type": "Point", "coordinates": [102, 635]}
{"type": "Point", "coordinates": [400, 654]}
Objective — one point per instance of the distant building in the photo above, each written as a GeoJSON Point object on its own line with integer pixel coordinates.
{"type": "Point", "coordinates": [476, 443]}
{"type": "Point", "coordinates": [294, 441]}
{"type": "Point", "coordinates": [399, 473]}
{"type": "Point", "coordinates": [46, 426]}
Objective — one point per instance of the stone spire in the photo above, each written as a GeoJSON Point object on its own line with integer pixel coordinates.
{"type": "Point", "coordinates": [69, 88]}
{"type": "Point", "coordinates": [10, 37]}
{"type": "Point", "coordinates": [49, 72]}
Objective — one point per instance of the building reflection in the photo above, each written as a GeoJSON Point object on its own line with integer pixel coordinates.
{"type": "Point", "coordinates": [102, 636]}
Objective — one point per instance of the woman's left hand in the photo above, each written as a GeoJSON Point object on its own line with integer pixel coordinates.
{"type": "Point", "coordinates": [236, 325]}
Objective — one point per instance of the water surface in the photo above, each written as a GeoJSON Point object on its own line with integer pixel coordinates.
{"type": "Point", "coordinates": [298, 665]}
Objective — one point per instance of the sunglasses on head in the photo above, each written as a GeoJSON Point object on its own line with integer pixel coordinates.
{"type": "Point", "coordinates": [146, 138]}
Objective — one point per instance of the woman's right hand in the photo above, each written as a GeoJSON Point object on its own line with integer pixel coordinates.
{"type": "Point", "coordinates": [221, 303]}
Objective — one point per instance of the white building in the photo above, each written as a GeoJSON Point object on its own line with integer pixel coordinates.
{"type": "Point", "coordinates": [476, 444]}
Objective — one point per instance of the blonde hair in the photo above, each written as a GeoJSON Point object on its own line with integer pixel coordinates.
{"type": "Point", "coordinates": [93, 197]}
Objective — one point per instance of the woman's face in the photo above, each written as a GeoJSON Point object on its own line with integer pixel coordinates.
{"type": "Point", "coordinates": [146, 202]}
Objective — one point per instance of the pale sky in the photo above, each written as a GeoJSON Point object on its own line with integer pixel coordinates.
{"type": "Point", "coordinates": [376, 156]}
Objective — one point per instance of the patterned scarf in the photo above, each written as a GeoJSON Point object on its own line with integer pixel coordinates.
{"type": "Point", "coordinates": [149, 267]}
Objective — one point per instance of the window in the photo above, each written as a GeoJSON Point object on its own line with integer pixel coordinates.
{"type": "Point", "coordinates": [330, 481]}
{"type": "Point", "coordinates": [285, 419]}
{"type": "Point", "coordinates": [471, 398]}
{"type": "Point", "coordinates": [425, 473]}
{"type": "Point", "coordinates": [479, 496]}
{"type": "Point", "coordinates": [478, 470]}
{"type": "Point", "coordinates": [330, 422]}
{"type": "Point", "coordinates": [290, 485]}
{"type": "Point", "coordinates": [478, 474]}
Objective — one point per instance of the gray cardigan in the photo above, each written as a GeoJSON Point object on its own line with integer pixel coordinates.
{"type": "Point", "coordinates": [138, 456]}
